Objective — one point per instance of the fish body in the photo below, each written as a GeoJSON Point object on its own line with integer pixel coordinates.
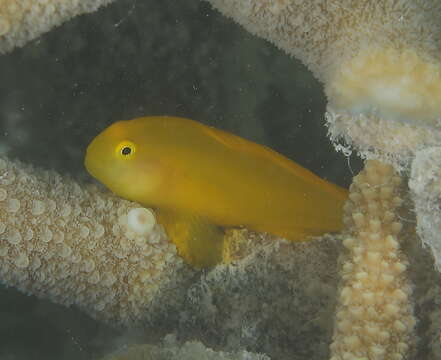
{"type": "Point", "coordinates": [182, 166]}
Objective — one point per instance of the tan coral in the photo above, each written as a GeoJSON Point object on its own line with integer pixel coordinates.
{"type": "Point", "coordinates": [24, 20]}
{"type": "Point", "coordinates": [425, 186]}
{"type": "Point", "coordinates": [374, 318]}
{"type": "Point", "coordinates": [378, 60]}
{"type": "Point", "coordinates": [386, 101]}
{"type": "Point", "coordinates": [81, 246]}
{"type": "Point", "coordinates": [325, 34]}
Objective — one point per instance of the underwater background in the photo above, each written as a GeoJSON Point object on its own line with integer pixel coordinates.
{"type": "Point", "coordinates": [136, 58]}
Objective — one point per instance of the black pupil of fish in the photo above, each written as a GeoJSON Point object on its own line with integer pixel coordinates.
{"type": "Point", "coordinates": [126, 150]}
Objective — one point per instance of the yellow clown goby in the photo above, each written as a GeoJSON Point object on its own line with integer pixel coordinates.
{"type": "Point", "coordinates": [200, 178]}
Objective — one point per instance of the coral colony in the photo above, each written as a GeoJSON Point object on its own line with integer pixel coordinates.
{"type": "Point", "coordinates": [379, 62]}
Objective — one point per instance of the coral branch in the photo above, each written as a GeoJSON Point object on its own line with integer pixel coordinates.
{"type": "Point", "coordinates": [81, 246]}
{"type": "Point", "coordinates": [379, 62]}
{"type": "Point", "coordinates": [24, 20]}
{"type": "Point", "coordinates": [375, 315]}
{"type": "Point", "coordinates": [324, 33]}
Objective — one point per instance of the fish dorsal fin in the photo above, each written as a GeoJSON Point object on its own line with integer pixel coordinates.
{"type": "Point", "coordinates": [231, 141]}
{"type": "Point", "coordinates": [239, 144]}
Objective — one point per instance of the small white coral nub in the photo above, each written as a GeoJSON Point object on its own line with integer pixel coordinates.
{"type": "Point", "coordinates": [141, 220]}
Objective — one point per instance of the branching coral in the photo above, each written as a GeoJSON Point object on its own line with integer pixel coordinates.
{"type": "Point", "coordinates": [380, 65]}
{"type": "Point", "coordinates": [378, 60]}
{"type": "Point", "coordinates": [325, 34]}
{"type": "Point", "coordinates": [425, 183]}
{"type": "Point", "coordinates": [386, 103]}
{"type": "Point", "coordinates": [81, 246]}
{"type": "Point", "coordinates": [85, 247]}
{"type": "Point", "coordinates": [277, 299]}
{"type": "Point", "coordinates": [24, 20]}
{"type": "Point", "coordinates": [375, 315]}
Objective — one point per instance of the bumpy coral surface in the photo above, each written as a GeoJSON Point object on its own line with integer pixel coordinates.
{"type": "Point", "coordinates": [378, 60]}
{"type": "Point", "coordinates": [385, 103]}
{"type": "Point", "coordinates": [324, 34]}
{"type": "Point", "coordinates": [24, 20]}
{"type": "Point", "coordinates": [81, 246]}
{"type": "Point", "coordinates": [412, 25]}
{"type": "Point", "coordinates": [425, 183]}
{"type": "Point", "coordinates": [374, 318]}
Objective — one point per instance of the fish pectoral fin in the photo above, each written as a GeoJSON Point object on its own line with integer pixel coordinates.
{"type": "Point", "coordinates": [199, 242]}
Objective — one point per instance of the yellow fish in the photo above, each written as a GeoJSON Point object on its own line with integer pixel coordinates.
{"type": "Point", "coordinates": [199, 178]}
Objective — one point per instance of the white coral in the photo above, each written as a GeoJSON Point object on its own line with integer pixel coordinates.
{"type": "Point", "coordinates": [379, 60]}
{"type": "Point", "coordinates": [74, 245]}
{"type": "Point", "coordinates": [425, 183]}
{"type": "Point", "coordinates": [374, 318]}
{"type": "Point", "coordinates": [24, 20]}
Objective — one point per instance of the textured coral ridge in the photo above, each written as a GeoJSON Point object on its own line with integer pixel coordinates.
{"type": "Point", "coordinates": [379, 62]}
{"type": "Point", "coordinates": [77, 245]}
{"type": "Point", "coordinates": [399, 85]}
{"type": "Point", "coordinates": [324, 34]}
{"type": "Point", "coordinates": [425, 184]}
{"type": "Point", "coordinates": [24, 20]}
{"type": "Point", "coordinates": [374, 318]}
{"type": "Point", "coordinates": [386, 99]}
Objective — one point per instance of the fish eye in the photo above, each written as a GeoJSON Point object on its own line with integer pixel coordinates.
{"type": "Point", "coordinates": [125, 149]}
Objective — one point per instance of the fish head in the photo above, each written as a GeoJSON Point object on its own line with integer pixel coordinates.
{"type": "Point", "coordinates": [120, 158]}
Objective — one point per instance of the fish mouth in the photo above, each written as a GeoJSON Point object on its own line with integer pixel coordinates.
{"type": "Point", "coordinates": [90, 164]}
{"type": "Point", "coordinates": [87, 164]}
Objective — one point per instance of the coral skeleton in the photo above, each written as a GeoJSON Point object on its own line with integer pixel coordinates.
{"type": "Point", "coordinates": [379, 62]}
{"type": "Point", "coordinates": [425, 186]}
{"type": "Point", "coordinates": [380, 65]}
{"type": "Point", "coordinates": [374, 317]}
{"type": "Point", "coordinates": [81, 246]}
{"type": "Point", "coordinates": [25, 20]}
